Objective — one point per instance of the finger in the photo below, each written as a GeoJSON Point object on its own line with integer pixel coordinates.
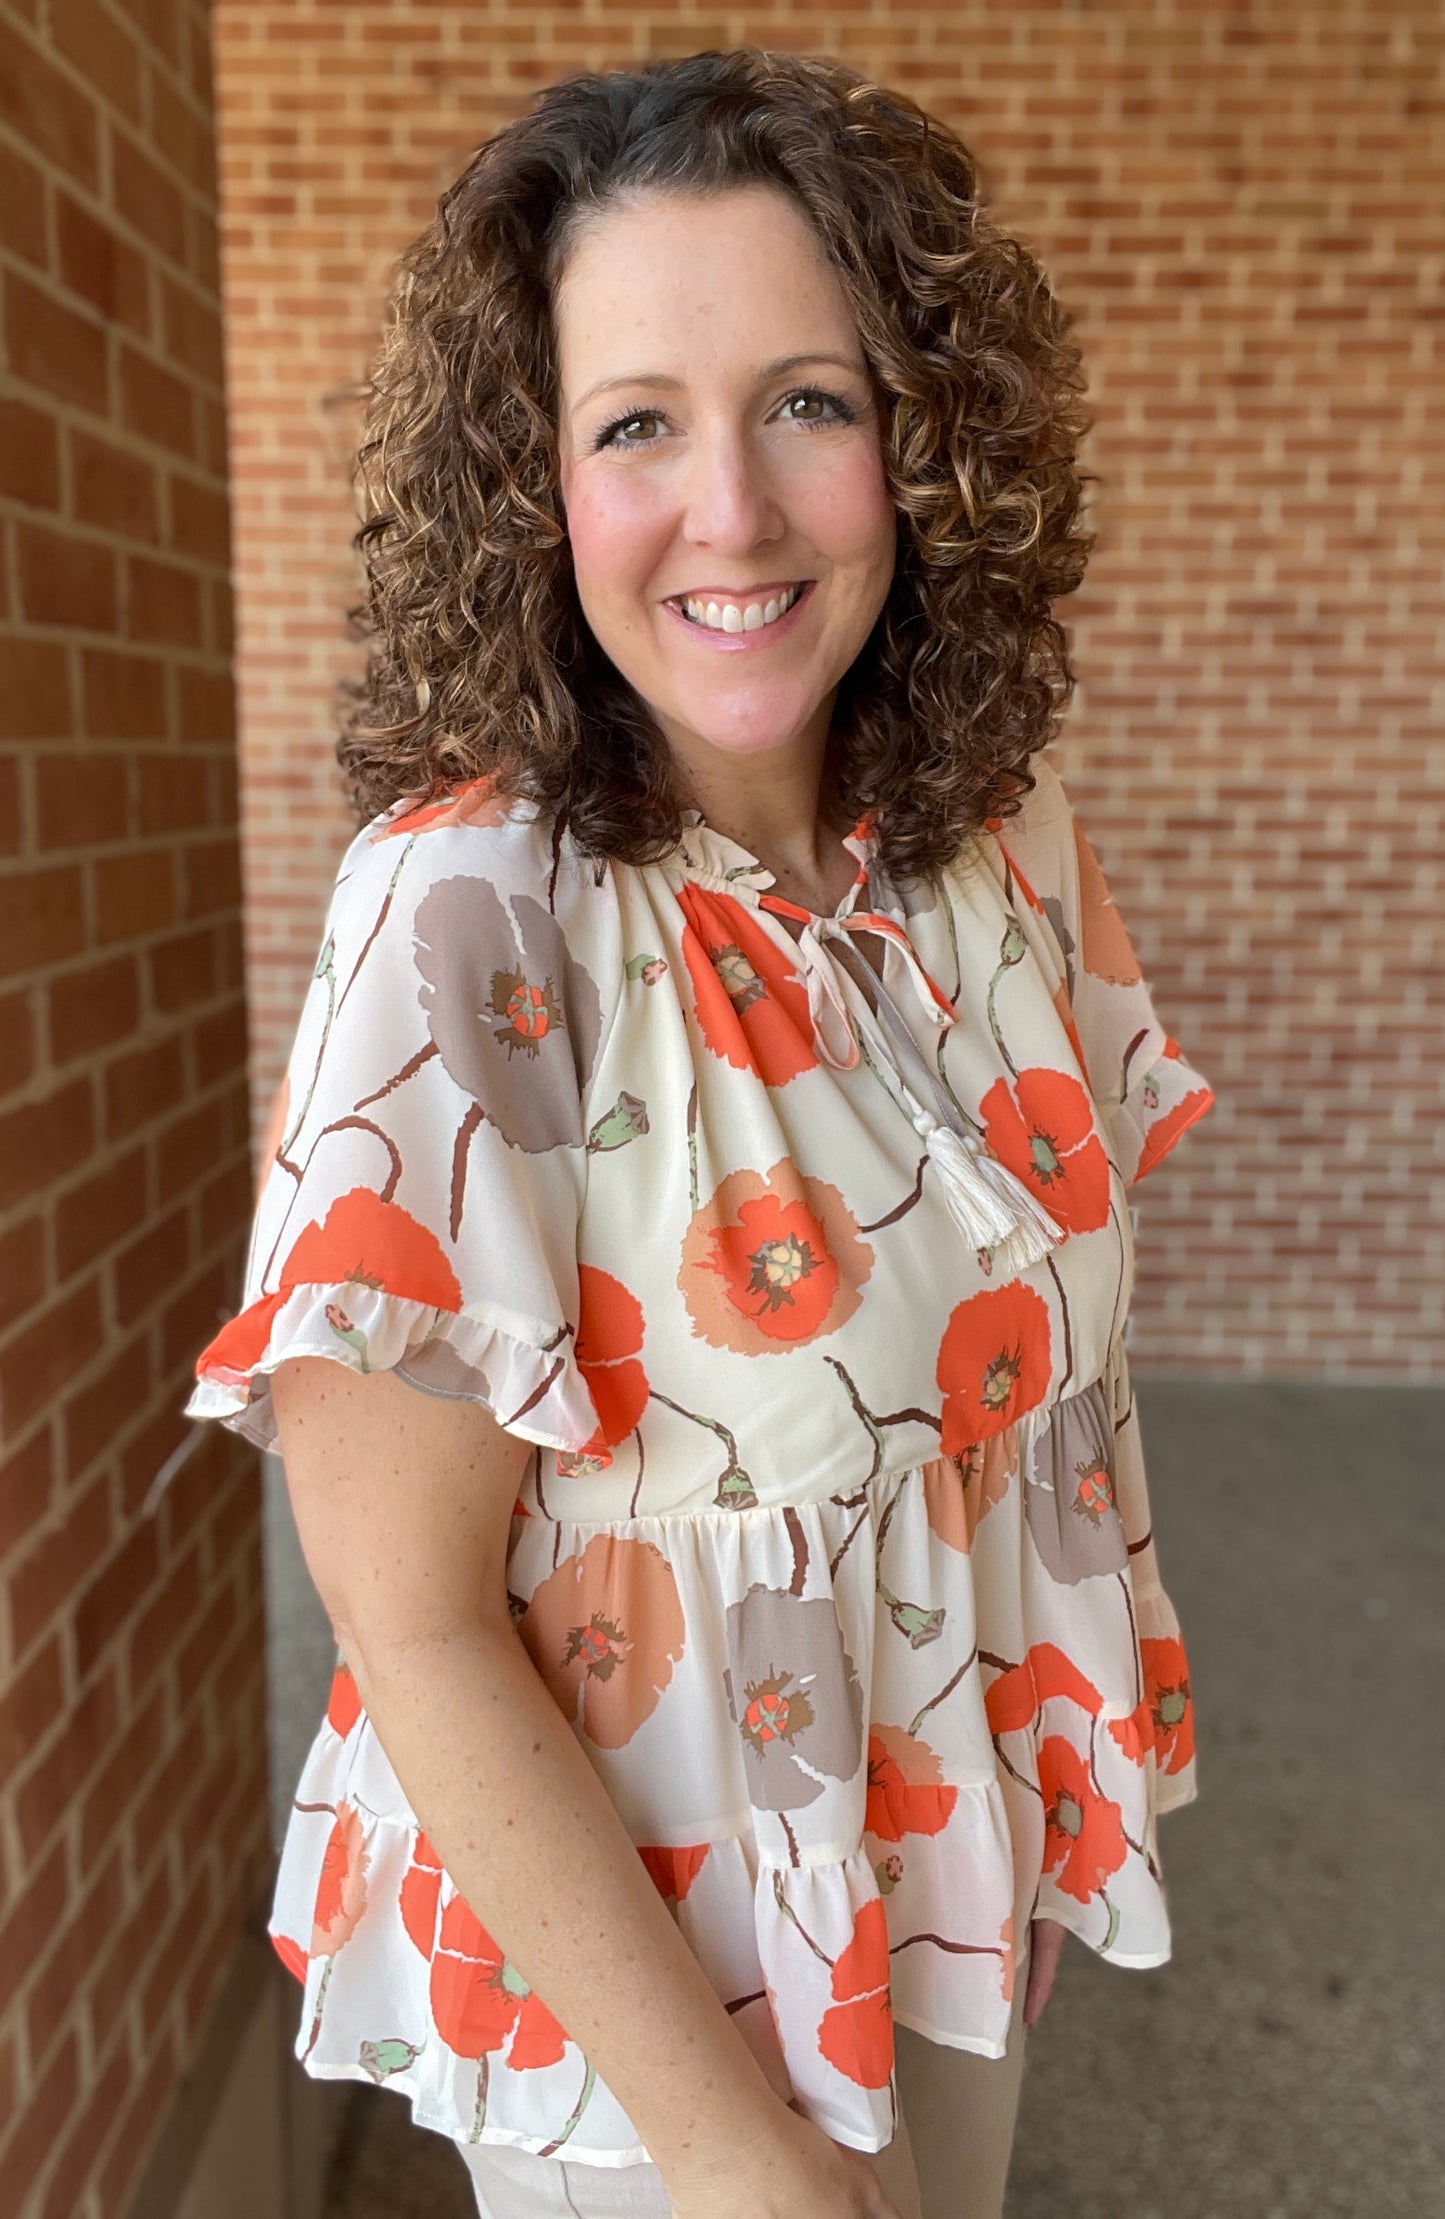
{"type": "Point", "coordinates": [1047, 1948]}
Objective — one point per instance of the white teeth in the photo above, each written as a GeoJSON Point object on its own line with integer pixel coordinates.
{"type": "Point", "coordinates": [729, 616]}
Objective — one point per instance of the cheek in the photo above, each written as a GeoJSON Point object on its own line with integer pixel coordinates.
{"type": "Point", "coordinates": [849, 514]}
{"type": "Point", "coordinates": [617, 533]}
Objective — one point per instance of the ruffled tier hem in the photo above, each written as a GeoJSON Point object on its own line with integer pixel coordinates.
{"type": "Point", "coordinates": [879, 1778]}
{"type": "Point", "coordinates": [523, 1372]}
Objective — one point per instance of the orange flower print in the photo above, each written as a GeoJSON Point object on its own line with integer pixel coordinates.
{"type": "Point", "coordinates": [605, 1630]}
{"type": "Point", "coordinates": [479, 2000]}
{"type": "Point", "coordinates": [1107, 950]}
{"type": "Point", "coordinates": [994, 1363]}
{"type": "Point", "coordinates": [752, 1010]}
{"type": "Point", "coordinates": [1083, 1831]}
{"type": "Point", "coordinates": [421, 1890]}
{"type": "Point", "coordinates": [959, 1492]}
{"type": "Point", "coordinates": [361, 1241]}
{"type": "Point", "coordinates": [477, 802]}
{"type": "Point", "coordinates": [856, 2035]}
{"type": "Point", "coordinates": [341, 1890]}
{"type": "Point", "coordinates": [672, 1871]}
{"type": "Point", "coordinates": [1044, 1131]}
{"type": "Point", "coordinates": [609, 1341]}
{"type": "Point", "coordinates": [343, 1706]}
{"type": "Point", "coordinates": [772, 1260]}
{"type": "Point", "coordinates": [1164, 1720]}
{"type": "Point", "coordinates": [1018, 1694]}
{"type": "Point", "coordinates": [906, 1791]}
{"type": "Point", "coordinates": [292, 1955]}
{"type": "Point", "coordinates": [1166, 1130]}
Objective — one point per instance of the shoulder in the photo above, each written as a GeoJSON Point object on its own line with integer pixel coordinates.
{"type": "Point", "coordinates": [472, 854]}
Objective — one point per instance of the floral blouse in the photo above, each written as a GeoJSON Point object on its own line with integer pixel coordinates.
{"type": "Point", "coordinates": [835, 1548]}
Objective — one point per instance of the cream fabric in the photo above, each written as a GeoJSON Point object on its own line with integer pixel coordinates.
{"type": "Point", "coordinates": [836, 1549]}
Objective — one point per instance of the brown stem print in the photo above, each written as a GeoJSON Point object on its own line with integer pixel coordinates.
{"type": "Point", "coordinates": [408, 1071]}
{"type": "Point", "coordinates": [1068, 1371]}
{"type": "Point", "coordinates": [945, 1691]}
{"type": "Point", "coordinates": [544, 1385]}
{"type": "Point", "coordinates": [341, 1124]}
{"type": "Point", "coordinates": [1013, 1771]}
{"type": "Point", "coordinates": [460, 1149]}
{"type": "Point", "coordinates": [381, 916]}
{"type": "Point", "coordinates": [955, 1949]}
{"type": "Point", "coordinates": [641, 1466]}
{"type": "Point", "coordinates": [735, 1490]}
{"type": "Point", "coordinates": [365, 1125]}
{"type": "Point", "coordinates": [793, 1919]}
{"type": "Point", "coordinates": [909, 1202]}
{"type": "Point", "coordinates": [799, 1540]}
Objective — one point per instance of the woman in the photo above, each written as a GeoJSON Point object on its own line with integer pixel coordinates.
{"type": "Point", "coordinates": [717, 1094]}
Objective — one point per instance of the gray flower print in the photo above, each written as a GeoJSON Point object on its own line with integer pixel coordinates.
{"type": "Point", "coordinates": [794, 1694]}
{"type": "Point", "coordinates": [516, 1019]}
{"type": "Point", "coordinates": [1069, 1497]}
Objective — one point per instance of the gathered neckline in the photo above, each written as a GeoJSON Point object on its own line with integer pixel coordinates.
{"type": "Point", "coordinates": [715, 858]}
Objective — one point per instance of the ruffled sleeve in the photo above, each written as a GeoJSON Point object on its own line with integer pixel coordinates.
{"type": "Point", "coordinates": [428, 1153]}
{"type": "Point", "coordinates": [1147, 1093]}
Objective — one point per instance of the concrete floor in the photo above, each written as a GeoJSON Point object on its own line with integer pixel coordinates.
{"type": "Point", "coordinates": [1291, 2061]}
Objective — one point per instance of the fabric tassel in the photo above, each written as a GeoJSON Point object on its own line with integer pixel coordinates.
{"type": "Point", "coordinates": [992, 1208]}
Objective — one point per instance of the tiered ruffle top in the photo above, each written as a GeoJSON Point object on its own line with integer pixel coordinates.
{"type": "Point", "coordinates": [835, 1549]}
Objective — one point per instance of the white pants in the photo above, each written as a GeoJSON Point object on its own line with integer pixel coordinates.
{"type": "Point", "coordinates": [948, 2160]}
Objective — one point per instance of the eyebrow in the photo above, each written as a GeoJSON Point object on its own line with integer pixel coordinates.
{"type": "Point", "coordinates": [658, 378]}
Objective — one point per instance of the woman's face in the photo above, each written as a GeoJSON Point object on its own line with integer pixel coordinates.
{"type": "Point", "coordinates": [731, 530]}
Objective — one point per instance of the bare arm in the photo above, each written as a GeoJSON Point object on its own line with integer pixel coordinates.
{"type": "Point", "coordinates": [403, 1504]}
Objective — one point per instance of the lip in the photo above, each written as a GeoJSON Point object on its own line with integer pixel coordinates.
{"type": "Point", "coordinates": [737, 643]}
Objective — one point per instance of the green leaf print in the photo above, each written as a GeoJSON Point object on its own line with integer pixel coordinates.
{"type": "Point", "coordinates": [382, 2059]}
{"type": "Point", "coordinates": [626, 1120]}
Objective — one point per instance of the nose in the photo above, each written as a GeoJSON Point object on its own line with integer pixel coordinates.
{"type": "Point", "coordinates": [731, 503]}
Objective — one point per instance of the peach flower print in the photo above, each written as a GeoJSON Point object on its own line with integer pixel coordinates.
{"type": "Point", "coordinates": [1107, 951]}
{"type": "Point", "coordinates": [773, 1259]}
{"type": "Point", "coordinates": [605, 1630]}
{"type": "Point", "coordinates": [341, 1890]}
{"type": "Point", "coordinates": [960, 1491]}
{"type": "Point", "coordinates": [906, 1789]}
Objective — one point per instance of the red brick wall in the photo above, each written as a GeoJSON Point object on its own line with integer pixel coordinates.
{"type": "Point", "coordinates": [1242, 202]}
{"type": "Point", "coordinates": [132, 1787]}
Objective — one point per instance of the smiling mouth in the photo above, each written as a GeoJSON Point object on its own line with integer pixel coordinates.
{"type": "Point", "coordinates": [715, 613]}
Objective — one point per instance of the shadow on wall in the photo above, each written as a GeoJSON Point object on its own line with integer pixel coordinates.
{"type": "Point", "coordinates": [1287, 2065]}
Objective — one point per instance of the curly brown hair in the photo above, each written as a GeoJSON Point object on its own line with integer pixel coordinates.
{"type": "Point", "coordinates": [480, 660]}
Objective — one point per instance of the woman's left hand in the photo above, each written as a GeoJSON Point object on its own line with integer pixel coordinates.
{"type": "Point", "coordinates": [1046, 1946]}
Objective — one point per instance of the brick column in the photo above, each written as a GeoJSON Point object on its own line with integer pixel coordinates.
{"type": "Point", "coordinates": [132, 1744]}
